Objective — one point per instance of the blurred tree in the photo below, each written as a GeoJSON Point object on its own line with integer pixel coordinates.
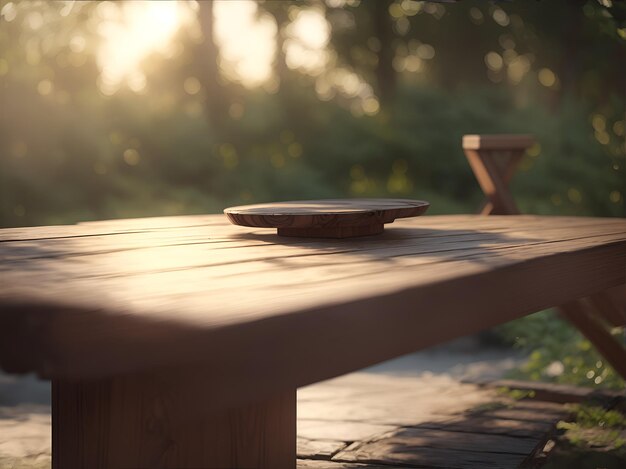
{"type": "Point", "coordinates": [207, 59]}
{"type": "Point", "coordinates": [438, 69]}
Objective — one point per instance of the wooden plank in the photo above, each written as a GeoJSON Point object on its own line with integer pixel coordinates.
{"type": "Point", "coordinates": [112, 262]}
{"type": "Point", "coordinates": [227, 245]}
{"type": "Point", "coordinates": [133, 421]}
{"type": "Point", "coordinates": [429, 280]}
{"type": "Point", "coordinates": [221, 281]}
{"type": "Point", "coordinates": [108, 227]}
{"type": "Point", "coordinates": [215, 229]}
{"type": "Point", "coordinates": [594, 331]}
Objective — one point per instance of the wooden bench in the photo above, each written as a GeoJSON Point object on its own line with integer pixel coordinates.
{"type": "Point", "coordinates": [494, 160]}
{"type": "Point", "coordinates": [180, 342]}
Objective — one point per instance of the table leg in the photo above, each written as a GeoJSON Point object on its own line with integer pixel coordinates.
{"type": "Point", "coordinates": [132, 422]}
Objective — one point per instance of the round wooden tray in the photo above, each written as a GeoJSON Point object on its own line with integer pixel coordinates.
{"type": "Point", "coordinates": [336, 218]}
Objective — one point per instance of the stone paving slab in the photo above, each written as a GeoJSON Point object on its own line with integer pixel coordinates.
{"type": "Point", "coordinates": [421, 421]}
{"type": "Point", "coordinates": [25, 437]}
{"type": "Point", "coordinates": [313, 429]}
{"type": "Point", "coordinates": [318, 449]}
{"type": "Point", "coordinates": [389, 400]}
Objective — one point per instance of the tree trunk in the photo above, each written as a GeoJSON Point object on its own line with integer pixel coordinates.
{"type": "Point", "coordinates": [385, 73]}
{"type": "Point", "coordinates": [216, 100]}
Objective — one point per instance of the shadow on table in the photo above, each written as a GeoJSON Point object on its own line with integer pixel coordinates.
{"type": "Point", "coordinates": [483, 247]}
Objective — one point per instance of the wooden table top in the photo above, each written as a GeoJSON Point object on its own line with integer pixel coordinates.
{"type": "Point", "coordinates": [102, 298]}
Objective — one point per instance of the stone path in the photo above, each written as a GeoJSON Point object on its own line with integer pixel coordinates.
{"type": "Point", "coordinates": [433, 422]}
{"type": "Point", "coordinates": [408, 413]}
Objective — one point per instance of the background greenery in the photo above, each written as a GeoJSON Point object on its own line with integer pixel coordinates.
{"type": "Point", "coordinates": [194, 140]}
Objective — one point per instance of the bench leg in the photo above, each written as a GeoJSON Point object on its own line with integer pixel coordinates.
{"type": "Point", "coordinates": [589, 325]}
{"type": "Point", "coordinates": [132, 422]}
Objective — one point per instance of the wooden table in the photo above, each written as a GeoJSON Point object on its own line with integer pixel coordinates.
{"type": "Point", "coordinates": [180, 342]}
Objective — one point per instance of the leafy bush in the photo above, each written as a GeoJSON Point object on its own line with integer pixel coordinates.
{"type": "Point", "coordinates": [558, 352]}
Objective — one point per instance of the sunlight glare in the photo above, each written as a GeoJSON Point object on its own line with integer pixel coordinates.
{"type": "Point", "coordinates": [133, 30]}
{"type": "Point", "coordinates": [142, 28]}
{"type": "Point", "coordinates": [306, 48]}
{"type": "Point", "coordinates": [247, 43]}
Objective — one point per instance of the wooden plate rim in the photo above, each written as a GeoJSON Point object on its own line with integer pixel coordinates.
{"type": "Point", "coordinates": [282, 218]}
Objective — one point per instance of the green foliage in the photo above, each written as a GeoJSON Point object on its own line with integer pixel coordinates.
{"type": "Point", "coordinates": [588, 416]}
{"type": "Point", "coordinates": [594, 426]}
{"type": "Point", "coordinates": [70, 153]}
{"type": "Point", "coordinates": [516, 394]}
{"type": "Point", "coordinates": [82, 166]}
{"type": "Point", "coordinates": [558, 353]}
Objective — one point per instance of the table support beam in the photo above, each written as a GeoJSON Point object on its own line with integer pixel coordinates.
{"type": "Point", "coordinates": [134, 422]}
{"type": "Point", "coordinates": [607, 304]}
{"type": "Point", "coordinates": [590, 326]}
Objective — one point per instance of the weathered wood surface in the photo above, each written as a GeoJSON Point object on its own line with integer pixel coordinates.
{"type": "Point", "coordinates": [198, 294]}
{"type": "Point", "coordinates": [333, 218]}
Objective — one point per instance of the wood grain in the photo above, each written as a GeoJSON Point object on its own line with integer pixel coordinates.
{"type": "Point", "coordinates": [333, 218]}
{"type": "Point", "coordinates": [173, 295]}
{"type": "Point", "coordinates": [133, 422]}
{"type": "Point", "coordinates": [333, 231]}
